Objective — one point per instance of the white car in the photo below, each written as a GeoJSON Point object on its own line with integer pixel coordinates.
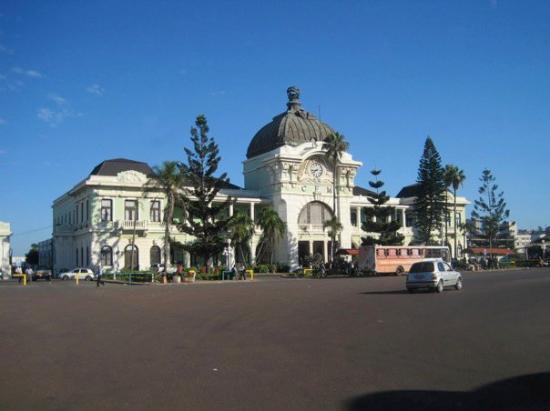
{"type": "Point", "coordinates": [434, 274]}
{"type": "Point", "coordinates": [82, 273]}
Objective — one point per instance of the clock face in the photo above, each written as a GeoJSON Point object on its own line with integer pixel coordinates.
{"type": "Point", "coordinates": [316, 169]}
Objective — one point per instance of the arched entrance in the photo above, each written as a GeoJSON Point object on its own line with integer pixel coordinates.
{"type": "Point", "coordinates": [313, 238]}
{"type": "Point", "coordinates": [131, 257]}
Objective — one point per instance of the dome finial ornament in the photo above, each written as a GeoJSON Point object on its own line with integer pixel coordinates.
{"type": "Point", "coordinates": [293, 94]}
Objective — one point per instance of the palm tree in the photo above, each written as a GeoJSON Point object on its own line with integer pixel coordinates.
{"type": "Point", "coordinates": [454, 177]}
{"type": "Point", "coordinates": [168, 179]}
{"type": "Point", "coordinates": [334, 227]}
{"type": "Point", "coordinates": [458, 180]}
{"type": "Point", "coordinates": [241, 230]}
{"type": "Point", "coordinates": [273, 229]}
{"type": "Point", "coordinates": [448, 175]}
{"type": "Point", "coordinates": [335, 145]}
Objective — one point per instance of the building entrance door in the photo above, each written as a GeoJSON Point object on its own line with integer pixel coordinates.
{"type": "Point", "coordinates": [319, 248]}
{"type": "Point", "coordinates": [303, 251]}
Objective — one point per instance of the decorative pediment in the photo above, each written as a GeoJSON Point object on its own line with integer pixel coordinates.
{"type": "Point", "coordinates": [132, 177]}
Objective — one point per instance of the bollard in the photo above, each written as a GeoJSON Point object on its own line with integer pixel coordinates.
{"type": "Point", "coordinates": [250, 274]}
{"type": "Point", "coordinates": [76, 278]}
{"type": "Point", "coordinates": [24, 279]}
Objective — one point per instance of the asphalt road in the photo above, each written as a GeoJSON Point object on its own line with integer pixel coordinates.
{"type": "Point", "coordinates": [327, 344]}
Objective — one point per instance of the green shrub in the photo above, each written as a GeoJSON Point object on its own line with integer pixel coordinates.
{"type": "Point", "coordinates": [262, 268]}
{"type": "Point", "coordinates": [283, 268]}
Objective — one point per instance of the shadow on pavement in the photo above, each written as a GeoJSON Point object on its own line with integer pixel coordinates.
{"type": "Point", "coordinates": [529, 392]}
{"type": "Point", "coordinates": [385, 292]}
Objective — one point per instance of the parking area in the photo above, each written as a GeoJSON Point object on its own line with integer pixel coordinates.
{"type": "Point", "coordinates": [291, 344]}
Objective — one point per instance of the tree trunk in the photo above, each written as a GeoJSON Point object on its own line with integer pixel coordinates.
{"type": "Point", "coordinates": [167, 221]}
{"type": "Point", "coordinates": [445, 217]}
{"type": "Point", "coordinates": [334, 189]}
{"type": "Point", "coordinates": [454, 217]}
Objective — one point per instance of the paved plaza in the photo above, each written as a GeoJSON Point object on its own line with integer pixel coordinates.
{"type": "Point", "coordinates": [277, 344]}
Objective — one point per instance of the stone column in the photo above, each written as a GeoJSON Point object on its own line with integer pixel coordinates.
{"type": "Point", "coordinates": [252, 211]}
{"type": "Point", "coordinates": [231, 209]}
{"type": "Point", "coordinates": [403, 218]}
{"type": "Point", "coordinates": [358, 212]}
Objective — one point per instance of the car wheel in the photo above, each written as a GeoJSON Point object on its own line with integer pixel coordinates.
{"type": "Point", "coordinates": [458, 285]}
{"type": "Point", "coordinates": [65, 277]}
{"type": "Point", "coordinates": [88, 278]}
{"type": "Point", "coordinates": [439, 287]}
{"type": "Point", "coordinates": [410, 290]}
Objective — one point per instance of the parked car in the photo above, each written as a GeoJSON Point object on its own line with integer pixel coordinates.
{"type": "Point", "coordinates": [42, 275]}
{"type": "Point", "coordinates": [433, 274]}
{"type": "Point", "coordinates": [82, 273]}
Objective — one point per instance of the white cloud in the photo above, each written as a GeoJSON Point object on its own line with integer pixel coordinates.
{"type": "Point", "coordinates": [28, 73]}
{"type": "Point", "coordinates": [58, 99]}
{"type": "Point", "coordinates": [217, 93]}
{"type": "Point", "coordinates": [95, 89]}
{"type": "Point", "coordinates": [2, 121]}
{"type": "Point", "coordinates": [4, 49]}
{"type": "Point", "coordinates": [55, 116]}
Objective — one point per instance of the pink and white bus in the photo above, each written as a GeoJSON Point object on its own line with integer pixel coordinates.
{"type": "Point", "coordinates": [397, 259]}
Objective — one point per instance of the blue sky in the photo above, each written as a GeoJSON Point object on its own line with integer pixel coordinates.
{"type": "Point", "coordinates": [84, 81]}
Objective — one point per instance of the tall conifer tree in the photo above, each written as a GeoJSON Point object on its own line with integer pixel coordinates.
{"type": "Point", "coordinates": [429, 206]}
{"type": "Point", "coordinates": [378, 217]}
{"type": "Point", "coordinates": [491, 210]}
{"type": "Point", "coordinates": [204, 219]}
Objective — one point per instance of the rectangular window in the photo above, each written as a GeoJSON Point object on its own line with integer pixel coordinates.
{"type": "Point", "coordinates": [106, 209]}
{"type": "Point", "coordinates": [353, 216]}
{"type": "Point", "coordinates": [155, 211]}
{"type": "Point", "coordinates": [87, 256]}
{"type": "Point", "coordinates": [82, 212]}
{"type": "Point", "coordinates": [87, 210]}
{"type": "Point", "coordinates": [76, 214]}
{"type": "Point", "coordinates": [458, 217]}
{"type": "Point", "coordinates": [130, 210]}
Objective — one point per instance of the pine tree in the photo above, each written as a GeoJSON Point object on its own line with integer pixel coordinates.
{"type": "Point", "coordinates": [204, 219]}
{"type": "Point", "coordinates": [378, 217]}
{"type": "Point", "coordinates": [491, 210]}
{"type": "Point", "coordinates": [429, 205]}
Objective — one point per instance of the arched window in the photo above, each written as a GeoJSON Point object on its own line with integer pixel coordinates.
{"type": "Point", "coordinates": [315, 213]}
{"type": "Point", "coordinates": [154, 255]}
{"type": "Point", "coordinates": [128, 252]}
{"type": "Point", "coordinates": [106, 256]}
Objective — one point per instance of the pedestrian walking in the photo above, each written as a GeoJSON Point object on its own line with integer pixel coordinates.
{"type": "Point", "coordinates": [100, 275]}
{"type": "Point", "coordinates": [28, 273]}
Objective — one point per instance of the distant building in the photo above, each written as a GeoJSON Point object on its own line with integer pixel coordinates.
{"type": "Point", "coordinates": [108, 218]}
{"type": "Point", "coordinates": [5, 250]}
{"type": "Point", "coordinates": [522, 240]}
{"type": "Point", "coordinates": [45, 254]}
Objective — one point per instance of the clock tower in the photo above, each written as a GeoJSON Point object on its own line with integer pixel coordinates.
{"type": "Point", "coordinates": [286, 164]}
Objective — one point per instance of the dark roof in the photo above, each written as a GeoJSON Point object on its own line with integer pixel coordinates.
{"type": "Point", "coordinates": [293, 127]}
{"type": "Point", "coordinates": [361, 191]}
{"type": "Point", "coordinates": [115, 166]}
{"type": "Point", "coordinates": [409, 191]}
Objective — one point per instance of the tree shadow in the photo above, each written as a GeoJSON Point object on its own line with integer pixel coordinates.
{"type": "Point", "coordinates": [527, 392]}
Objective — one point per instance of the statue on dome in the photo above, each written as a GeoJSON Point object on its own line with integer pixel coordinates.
{"type": "Point", "coordinates": [293, 93]}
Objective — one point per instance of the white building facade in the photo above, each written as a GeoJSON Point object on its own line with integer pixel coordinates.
{"type": "Point", "coordinates": [5, 250]}
{"type": "Point", "coordinates": [99, 219]}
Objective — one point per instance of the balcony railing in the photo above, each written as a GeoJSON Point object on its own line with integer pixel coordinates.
{"type": "Point", "coordinates": [131, 224]}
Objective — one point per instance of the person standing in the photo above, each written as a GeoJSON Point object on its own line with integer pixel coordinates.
{"type": "Point", "coordinates": [28, 273]}
{"type": "Point", "coordinates": [100, 275]}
